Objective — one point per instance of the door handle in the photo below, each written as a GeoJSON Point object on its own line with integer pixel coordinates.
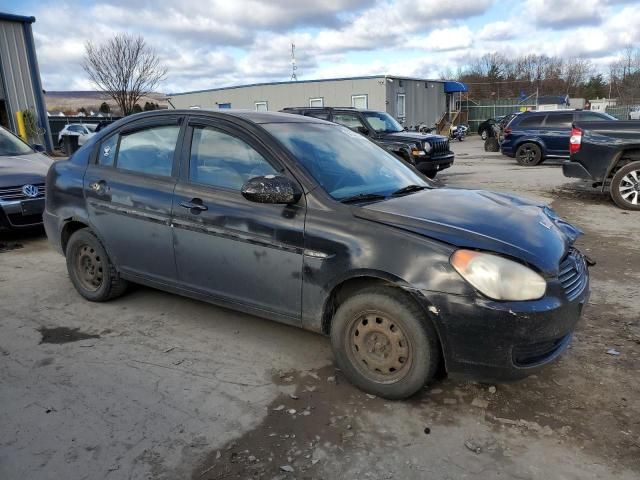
{"type": "Point", "coordinates": [195, 204]}
{"type": "Point", "coordinates": [100, 187]}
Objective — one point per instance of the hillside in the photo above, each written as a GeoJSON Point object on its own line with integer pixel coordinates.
{"type": "Point", "coordinates": [91, 100]}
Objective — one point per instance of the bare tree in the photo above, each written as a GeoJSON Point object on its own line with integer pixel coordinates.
{"type": "Point", "coordinates": [125, 68]}
{"type": "Point", "coordinates": [575, 73]}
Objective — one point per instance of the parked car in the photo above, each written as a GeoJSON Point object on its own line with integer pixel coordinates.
{"type": "Point", "coordinates": [608, 153]}
{"type": "Point", "coordinates": [429, 153]}
{"type": "Point", "coordinates": [532, 137]}
{"type": "Point", "coordinates": [83, 131]}
{"type": "Point", "coordinates": [309, 223]}
{"type": "Point", "coordinates": [485, 129]}
{"type": "Point", "coordinates": [634, 114]}
{"type": "Point", "coordinates": [22, 174]}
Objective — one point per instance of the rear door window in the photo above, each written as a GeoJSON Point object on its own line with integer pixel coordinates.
{"type": "Point", "coordinates": [148, 151]}
{"type": "Point", "coordinates": [591, 117]}
{"type": "Point", "coordinates": [320, 115]}
{"type": "Point", "coordinates": [348, 120]}
{"type": "Point", "coordinates": [532, 121]}
{"type": "Point", "coordinates": [562, 120]}
{"type": "Point", "coordinates": [107, 152]}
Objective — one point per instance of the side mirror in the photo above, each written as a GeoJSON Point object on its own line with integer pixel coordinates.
{"type": "Point", "coordinates": [363, 130]}
{"type": "Point", "coordinates": [38, 148]}
{"type": "Point", "coordinates": [271, 189]}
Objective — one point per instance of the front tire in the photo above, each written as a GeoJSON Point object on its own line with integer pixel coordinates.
{"type": "Point", "coordinates": [90, 268]}
{"type": "Point", "coordinates": [528, 154]}
{"type": "Point", "coordinates": [384, 343]}
{"type": "Point", "coordinates": [625, 187]}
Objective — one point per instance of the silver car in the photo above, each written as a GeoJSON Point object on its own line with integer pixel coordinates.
{"type": "Point", "coordinates": [22, 177]}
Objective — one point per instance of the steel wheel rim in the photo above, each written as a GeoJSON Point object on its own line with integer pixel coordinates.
{"type": "Point", "coordinates": [484, 135]}
{"type": "Point", "coordinates": [527, 155]}
{"type": "Point", "coordinates": [89, 268]}
{"type": "Point", "coordinates": [629, 188]}
{"type": "Point", "coordinates": [379, 348]}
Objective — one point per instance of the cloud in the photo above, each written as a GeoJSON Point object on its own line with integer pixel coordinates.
{"type": "Point", "coordinates": [501, 30]}
{"type": "Point", "coordinates": [447, 39]}
{"type": "Point", "coordinates": [564, 14]}
{"type": "Point", "coordinates": [214, 43]}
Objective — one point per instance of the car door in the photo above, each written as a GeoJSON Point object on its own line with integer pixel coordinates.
{"type": "Point", "coordinates": [226, 247]}
{"type": "Point", "coordinates": [557, 131]}
{"type": "Point", "coordinates": [129, 192]}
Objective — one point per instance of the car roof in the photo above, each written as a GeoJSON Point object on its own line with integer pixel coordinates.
{"type": "Point", "coordinates": [320, 109]}
{"type": "Point", "coordinates": [250, 115]}
{"type": "Point", "coordinates": [547, 112]}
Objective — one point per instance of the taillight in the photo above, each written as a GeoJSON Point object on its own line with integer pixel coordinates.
{"type": "Point", "coordinates": [507, 131]}
{"type": "Point", "coordinates": [575, 141]}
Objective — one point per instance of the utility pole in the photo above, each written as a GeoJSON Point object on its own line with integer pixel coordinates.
{"type": "Point", "coordinates": [294, 67]}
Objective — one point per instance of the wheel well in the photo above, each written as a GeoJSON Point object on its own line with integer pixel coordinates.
{"type": "Point", "coordinates": [538, 144]}
{"type": "Point", "coordinates": [343, 291]}
{"type": "Point", "coordinates": [69, 229]}
{"type": "Point", "coordinates": [626, 157]}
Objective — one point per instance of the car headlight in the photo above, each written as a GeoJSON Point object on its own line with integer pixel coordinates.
{"type": "Point", "coordinates": [497, 277]}
{"type": "Point", "coordinates": [427, 147]}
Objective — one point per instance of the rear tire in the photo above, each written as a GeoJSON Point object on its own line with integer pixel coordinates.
{"type": "Point", "coordinates": [528, 154]}
{"type": "Point", "coordinates": [384, 343]}
{"type": "Point", "coordinates": [625, 187]}
{"type": "Point", "coordinates": [90, 268]}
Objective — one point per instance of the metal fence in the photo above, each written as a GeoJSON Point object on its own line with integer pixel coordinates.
{"type": "Point", "coordinates": [485, 109]}
{"type": "Point", "coordinates": [57, 123]}
{"type": "Point", "coordinates": [621, 112]}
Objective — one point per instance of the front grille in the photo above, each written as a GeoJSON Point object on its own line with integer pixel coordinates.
{"type": "Point", "coordinates": [15, 193]}
{"type": "Point", "coordinates": [533, 353]}
{"type": "Point", "coordinates": [573, 274]}
{"type": "Point", "coordinates": [439, 147]}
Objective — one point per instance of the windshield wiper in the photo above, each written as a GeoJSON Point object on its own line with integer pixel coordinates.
{"type": "Point", "coordinates": [408, 189]}
{"type": "Point", "coordinates": [362, 197]}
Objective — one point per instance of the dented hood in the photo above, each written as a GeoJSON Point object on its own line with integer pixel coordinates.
{"type": "Point", "coordinates": [480, 220]}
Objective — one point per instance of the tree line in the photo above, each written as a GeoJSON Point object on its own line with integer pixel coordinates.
{"type": "Point", "coordinates": [496, 76]}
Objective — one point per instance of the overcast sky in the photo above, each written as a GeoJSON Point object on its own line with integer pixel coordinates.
{"type": "Point", "coordinates": [214, 43]}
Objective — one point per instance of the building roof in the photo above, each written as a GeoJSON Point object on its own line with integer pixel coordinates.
{"type": "Point", "coordinates": [390, 77]}
{"type": "Point", "coordinates": [10, 17]}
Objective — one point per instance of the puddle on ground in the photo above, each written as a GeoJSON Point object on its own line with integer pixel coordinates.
{"type": "Point", "coordinates": [63, 335]}
{"type": "Point", "coordinates": [316, 422]}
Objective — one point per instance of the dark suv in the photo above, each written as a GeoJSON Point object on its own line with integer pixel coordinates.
{"type": "Point", "coordinates": [532, 137]}
{"type": "Point", "coordinates": [428, 153]}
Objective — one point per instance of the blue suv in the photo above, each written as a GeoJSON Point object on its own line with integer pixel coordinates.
{"type": "Point", "coordinates": [532, 137]}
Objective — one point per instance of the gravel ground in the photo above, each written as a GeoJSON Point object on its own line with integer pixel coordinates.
{"type": "Point", "coordinates": [162, 387]}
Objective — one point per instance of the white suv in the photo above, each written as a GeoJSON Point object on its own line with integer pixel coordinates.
{"type": "Point", "coordinates": [83, 131]}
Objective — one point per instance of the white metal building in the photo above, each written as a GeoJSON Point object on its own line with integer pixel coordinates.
{"type": "Point", "coordinates": [411, 100]}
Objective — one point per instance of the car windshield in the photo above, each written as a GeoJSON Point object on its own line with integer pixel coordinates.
{"type": "Point", "coordinates": [12, 145]}
{"type": "Point", "coordinates": [346, 164]}
{"type": "Point", "coordinates": [382, 122]}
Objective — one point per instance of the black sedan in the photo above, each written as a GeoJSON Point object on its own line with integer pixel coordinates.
{"type": "Point", "coordinates": [22, 174]}
{"type": "Point", "coordinates": [309, 223]}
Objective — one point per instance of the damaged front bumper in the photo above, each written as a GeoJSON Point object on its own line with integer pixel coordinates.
{"type": "Point", "coordinates": [500, 341]}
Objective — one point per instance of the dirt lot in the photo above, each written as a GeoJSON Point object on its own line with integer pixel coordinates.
{"type": "Point", "coordinates": [157, 386]}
